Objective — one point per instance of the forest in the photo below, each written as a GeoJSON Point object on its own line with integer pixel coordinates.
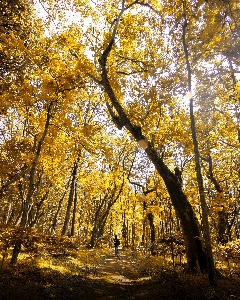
{"type": "Point", "coordinates": [119, 118]}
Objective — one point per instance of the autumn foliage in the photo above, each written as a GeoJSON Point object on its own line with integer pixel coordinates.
{"type": "Point", "coordinates": [121, 117]}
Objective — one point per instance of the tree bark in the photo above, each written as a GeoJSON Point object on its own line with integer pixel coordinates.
{"type": "Point", "coordinates": [194, 250]}
{"type": "Point", "coordinates": [100, 220]}
{"type": "Point", "coordinates": [222, 215]}
{"type": "Point", "coordinates": [55, 219]}
{"type": "Point", "coordinates": [196, 256]}
{"type": "Point", "coordinates": [74, 211]}
{"type": "Point", "coordinates": [70, 199]}
{"type": "Point", "coordinates": [38, 214]}
{"type": "Point", "coordinates": [206, 228]}
{"type": "Point", "coordinates": [237, 112]}
{"type": "Point", "coordinates": [152, 231]}
{"type": "Point", "coordinates": [15, 253]}
{"type": "Point", "coordinates": [27, 202]}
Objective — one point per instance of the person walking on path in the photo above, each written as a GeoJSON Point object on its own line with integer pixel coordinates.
{"type": "Point", "coordinates": [116, 245]}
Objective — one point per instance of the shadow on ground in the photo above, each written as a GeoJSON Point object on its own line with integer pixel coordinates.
{"type": "Point", "coordinates": [112, 279]}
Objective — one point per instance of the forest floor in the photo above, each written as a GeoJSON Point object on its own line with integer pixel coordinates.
{"type": "Point", "coordinates": [112, 278]}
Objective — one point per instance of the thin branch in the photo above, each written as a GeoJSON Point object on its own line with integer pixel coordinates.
{"type": "Point", "coordinates": [136, 183]}
{"type": "Point", "coordinates": [211, 176]}
{"type": "Point", "coordinates": [134, 60]}
{"type": "Point", "coordinates": [94, 78]}
{"type": "Point", "coordinates": [145, 192]}
{"type": "Point", "coordinates": [142, 3]}
{"type": "Point", "coordinates": [131, 73]}
{"type": "Point", "coordinates": [230, 145]}
{"type": "Point", "coordinates": [185, 23]}
{"type": "Point", "coordinates": [116, 120]}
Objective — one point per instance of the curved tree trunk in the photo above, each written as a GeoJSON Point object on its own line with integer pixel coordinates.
{"type": "Point", "coordinates": [196, 256]}
{"type": "Point", "coordinates": [195, 253]}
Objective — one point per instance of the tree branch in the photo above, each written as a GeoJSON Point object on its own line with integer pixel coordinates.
{"type": "Point", "coordinates": [211, 176]}
{"type": "Point", "coordinates": [185, 48]}
{"type": "Point", "coordinates": [145, 192]}
{"type": "Point", "coordinates": [116, 120]}
{"type": "Point", "coordinates": [135, 130]}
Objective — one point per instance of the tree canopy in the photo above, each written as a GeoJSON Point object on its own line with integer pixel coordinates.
{"type": "Point", "coordinates": [95, 125]}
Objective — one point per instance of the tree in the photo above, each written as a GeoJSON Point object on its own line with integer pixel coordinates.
{"type": "Point", "coordinates": [70, 199]}
{"type": "Point", "coordinates": [190, 226]}
{"type": "Point", "coordinates": [206, 228]}
{"type": "Point", "coordinates": [113, 185]}
{"type": "Point", "coordinates": [122, 61]}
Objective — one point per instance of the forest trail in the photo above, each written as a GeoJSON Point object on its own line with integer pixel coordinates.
{"type": "Point", "coordinates": [117, 278]}
{"type": "Point", "coordinates": [112, 278]}
{"type": "Point", "coordinates": [119, 270]}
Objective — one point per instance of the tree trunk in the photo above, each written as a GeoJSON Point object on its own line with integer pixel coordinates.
{"type": "Point", "coordinates": [206, 228]}
{"type": "Point", "coordinates": [222, 226]}
{"type": "Point", "coordinates": [190, 226]}
{"type": "Point", "coordinates": [152, 231]}
{"type": "Point", "coordinates": [38, 214]}
{"type": "Point", "coordinates": [94, 235]}
{"type": "Point", "coordinates": [236, 106]}
{"type": "Point", "coordinates": [55, 219]}
{"type": "Point", "coordinates": [103, 211]}
{"type": "Point", "coordinates": [196, 256]}
{"type": "Point", "coordinates": [27, 202]}
{"type": "Point", "coordinates": [222, 215]}
{"type": "Point", "coordinates": [15, 253]}
{"type": "Point", "coordinates": [74, 211]}
{"type": "Point", "coordinates": [6, 213]}
{"type": "Point", "coordinates": [30, 192]}
{"type": "Point", "coordinates": [99, 222]}
{"type": "Point", "coordinates": [124, 230]}
{"type": "Point", "coordinates": [70, 200]}
{"type": "Point", "coordinates": [11, 217]}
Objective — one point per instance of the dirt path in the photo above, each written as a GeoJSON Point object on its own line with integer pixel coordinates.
{"type": "Point", "coordinates": [119, 279]}
{"type": "Point", "coordinates": [116, 278]}
{"type": "Point", "coordinates": [119, 270]}
{"type": "Point", "coordinates": [113, 278]}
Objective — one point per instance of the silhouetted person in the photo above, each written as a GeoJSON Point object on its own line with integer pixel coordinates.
{"type": "Point", "coordinates": [116, 245]}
